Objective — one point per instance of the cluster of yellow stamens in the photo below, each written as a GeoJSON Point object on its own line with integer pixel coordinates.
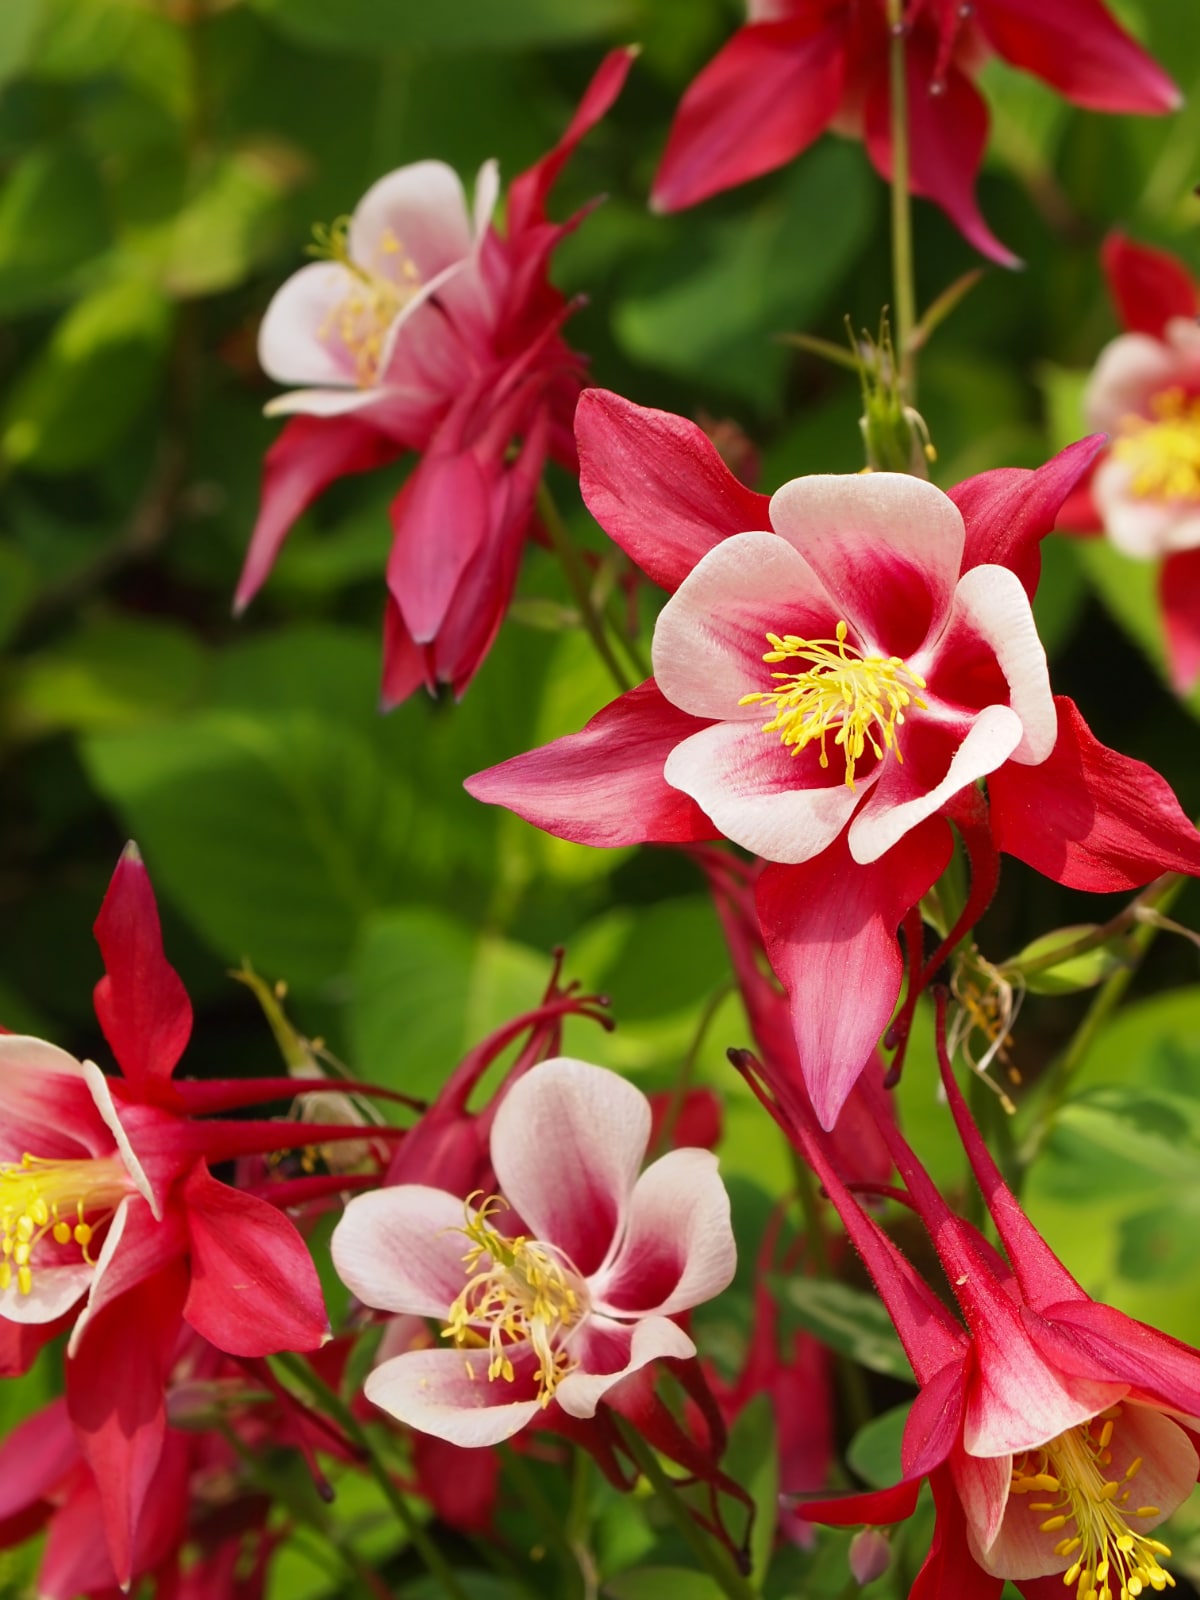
{"type": "Point", "coordinates": [1163, 451]}
{"type": "Point", "coordinates": [524, 1294]}
{"type": "Point", "coordinates": [1109, 1559]}
{"type": "Point", "coordinates": [65, 1199]}
{"type": "Point", "coordinates": [863, 697]}
{"type": "Point", "coordinates": [374, 300]}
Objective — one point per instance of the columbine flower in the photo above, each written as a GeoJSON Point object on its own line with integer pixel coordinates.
{"type": "Point", "coordinates": [1056, 1432]}
{"type": "Point", "coordinates": [559, 1287]}
{"type": "Point", "coordinates": [799, 67]}
{"type": "Point", "coordinates": [426, 329]}
{"type": "Point", "coordinates": [835, 669]}
{"type": "Point", "coordinates": [1145, 393]}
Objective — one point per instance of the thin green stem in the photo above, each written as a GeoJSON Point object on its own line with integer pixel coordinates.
{"type": "Point", "coordinates": [1155, 897]}
{"type": "Point", "coordinates": [687, 1070]}
{"type": "Point", "coordinates": [710, 1556]}
{"type": "Point", "coordinates": [579, 581]}
{"type": "Point", "coordinates": [334, 1406]}
{"type": "Point", "coordinates": [522, 1477]}
{"type": "Point", "coordinates": [903, 276]}
{"type": "Point", "coordinates": [579, 1524]}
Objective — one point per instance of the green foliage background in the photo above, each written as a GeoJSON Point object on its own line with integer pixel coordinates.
{"type": "Point", "coordinates": [162, 163]}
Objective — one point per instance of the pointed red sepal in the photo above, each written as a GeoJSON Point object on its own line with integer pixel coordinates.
{"type": "Point", "coordinates": [1148, 286]}
{"type": "Point", "coordinates": [141, 1003]}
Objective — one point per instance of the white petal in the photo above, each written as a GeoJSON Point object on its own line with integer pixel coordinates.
{"type": "Point", "coordinates": [416, 214]}
{"type": "Point", "coordinates": [401, 1249]}
{"type": "Point", "coordinates": [448, 1393]}
{"type": "Point", "coordinates": [992, 602]}
{"type": "Point", "coordinates": [620, 1351]}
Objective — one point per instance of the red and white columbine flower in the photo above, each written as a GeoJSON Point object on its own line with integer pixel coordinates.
{"type": "Point", "coordinates": [835, 669]}
{"type": "Point", "coordinates": [559, 1287]}
{"type": "Point", "coordinates": [798, 67]}
{"type": "Point", "coordinates": [1145, 393]}
{"type": "Point", "coordinates": [427, 329]}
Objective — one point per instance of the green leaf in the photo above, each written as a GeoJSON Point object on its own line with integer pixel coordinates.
{"type": "Point", "coordinates": [850, 1321]}
{"type": "Point", "coordinates": [88, 383]}
{"type": "Point", "coordinates": [52, 223]}
{"type": "Point", "coordinates": [1083, 971]}
{"type": "Point", "coordinates": [16, 36]}
{"type": "Point", "coordinates": [654, 1583]}
{"type": "Point", "coordinates": [85, 41]}
{"type": "Point", "coordinates": [874, 1452]}
{"type": "Point", "coordinates": [395, 25]}
{"type": "Point", "coordinates": [231, 224]}
{"type": "Point", "coordinates": [710, 305]}
{"type": "Point", "coordinates": [752, 1460]}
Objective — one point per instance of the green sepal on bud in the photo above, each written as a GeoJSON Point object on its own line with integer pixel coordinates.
{"type": "Point", "coordinates": [1068, 960]}
{"type": "Point", "coordinates": [895, 436]}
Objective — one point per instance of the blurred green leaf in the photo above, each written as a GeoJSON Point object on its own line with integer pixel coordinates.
{"type": "Point", "coordinates": [88, 39]}
{"type": "Point", "coordinates": [367, 25]}
{"type": "Point", "coordinates": [1077, 972]}
{"type": "Point", "coordinates": [17, 35]}
{"type": "Point", "coordinates": [231, 224]}
{"type": "Point", "coordinates": [653, 1583]}
{"type": "Point", "coordinates": [849, 1320]}
{"type": "Point", "coordinates": [708, 307]}
{"type": "Point", "coordinates": [52, 224]}
{"type": "Point", "coordinates": [874, 1451]}
{"type": "Point", "coordinates": [86, 386]}
{"type": "Point", "coordinates": [752, 1459]}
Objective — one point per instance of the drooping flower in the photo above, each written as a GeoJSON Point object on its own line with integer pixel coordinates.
{"type": "Point", "coordinates": [1145, 393]}
{"type": "Point", "coordinates": [836, 668]}
{"type": "Point", "coordinates": [426, 329]}
{"type": "Point", "coordinates": [554, 1291]}
{"type": "Point", "coordinates": [798, 67]}
{"type": "Point", "coordinates": [1057, 1433]}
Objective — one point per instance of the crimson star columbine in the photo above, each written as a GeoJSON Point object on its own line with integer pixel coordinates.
{"type": "Point", "coordinates": [835, 670]}
{"type": "Point", "coordinates": [798, 67]}
{"type": "Point", "coordinates": [559, 1288]}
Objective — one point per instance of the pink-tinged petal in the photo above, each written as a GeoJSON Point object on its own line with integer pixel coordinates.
{"type": "Point", "coordinates": [830, 931]}
{"type": "Point", "coordinates": [567, 1145]}
{"type": "Point", "coordinates": [416, 214]}
{"type": "Point", "coordinates": [1148, 286]}
{"type": "Point", "coordinates": [1137, 525]}
{"type": "Point", "coordinates": [75, 1560]}
{"type": "Point", "coordinates": [292, 346]}
{"type": "Point", "coordinates": [609, 1351]}
{"type": "Point", "coordinates": [991, 604]}
{"type": "Point", "coordinates": [656, 484]}
{"type": "Point", "coordinates": [950, 1571]}
{"type": "Point", "coordinates": [1179, 596]}
{"type": "Point", "coordinates": [1128, 372]}
{"type": "Point", "coordinates": [934, 1426]}
{"type": "Point", "coordinates": [1089, 1337]}
{"type": "Point", "coordinates": [448, 1393]}
{"type": "Point", "coordinates": [141, 1003]}
{"type": "Point", "coordinates": [444, 519]}
{"type": "Point", "coordinates": [307, 457]}
{"type": "Point", "coordinates": [982, 1485]}
{"type": "Point", "coordinates": [604, 785]}
{"type": "Point", "coordinates": [947, 133]}
{"type": "Point", "coordinates": [487, 193]}
{"type": "Point", "coordinates": [991, 740]}
{"type": "Point", "coordinates": [135, 1248]}
{"type": "Point", "coordinates": [405, 666]}
{"type": "Point", "coordinates": [35, 1457]}
{"type": "Point", "coordinates": [115, 1385]}
{"type": "Point", "coordinates": [1018, 1398]}
{"type": "Point", "coordinates": [402, 1248]}
{"type": "Point", "coordinates": [254, 1289]}
{"type": "Point", "coordinates": [102, 1098]}
{"type": "Point", "coordinates": [711, 636]}
{"type": "Point", "coordinates": [395, 411]}
{"type": "Point", "coordinates": [56, 1288]}
{"type": "Point", "coordinates": [528, 192]}
{"type": "Point", "coordinates": [1077, 48]}
{"type": "Point", "coordinates": [888, 548]}
{"type": "Point", "coordinates": [782, 807]}
{"type": "Point", "coordinates": [1089, 817]}
{"type": "Point", "coordinates": [1008, 512]}
{"type": "Point", "coordinates": [677, 1249]}
{"type": "Point", "coordinates": [768, 94]}
{"type": "Point", "coordinates": [46, 1108]}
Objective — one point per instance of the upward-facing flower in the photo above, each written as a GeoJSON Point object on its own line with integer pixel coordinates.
{"type": "Point", "coordinates": [1145, 393]}
{"type": "Point", "coordinates": [835, 670]}
{"type": "Point", "coordinates": [556, 1289]}
{"type": "Point", "coordinates": [799, 67]}
{"type": "Point", "coordinates": [427, 329]}
{"type": "Point", "coordinates": [1057, 1433]}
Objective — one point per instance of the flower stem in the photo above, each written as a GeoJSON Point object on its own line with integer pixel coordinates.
{"type": "Point", "coordinates": [710, 1556]}
{"type": "Point", "coordinates": [579, 581]}
{"type": "Point", "coordinates": [334, 1406]}
{"type": "Point", "coordinates": [903, 277]}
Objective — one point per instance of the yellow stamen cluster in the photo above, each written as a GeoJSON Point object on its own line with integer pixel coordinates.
{"type": "Point", "coordinates": [374, 300]}
{"type": "Point", "coordinates": [524, 1294]}
{"type": "Point", "coordinates": [1109, 1559]}
{"type": "Point", "coordinates": [1163, 451]}
{"type": "Point", "coordinates": [66, 1200]}
{"type": "Point", "coordinates": [863, 697]}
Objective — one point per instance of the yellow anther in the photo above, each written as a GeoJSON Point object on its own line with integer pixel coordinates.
{"type": "Point", "coordinates": [24, 1280]}
{"type": "Point", "coordinates": [37, 1197]}
{"type": "Point", "coordinates": [373, 300]}
{"type": "Point", "coordinates": [61, 1232]}
{"type": "Point", "coordinates": [1163, 451]}
{"type": "Point", "coordinates": [862, 697]}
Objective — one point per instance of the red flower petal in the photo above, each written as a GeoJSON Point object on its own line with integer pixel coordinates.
{"type": "Point", "coordinates": [1077, 48]}
{"type": "Point", "coordinates": [1148, 287]}
{"type": "Point", "coordinates": [1179, 596]}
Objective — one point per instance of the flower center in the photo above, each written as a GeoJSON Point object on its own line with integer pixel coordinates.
{"type": "Point", "coordinates": [525, 1294]}
{"type": "Point", "coordinates": [374, 300]}
{"type": "Point", "coordinates": [1163, 451]}
{"type": "Point", "coordinates": [67, 1200]}
{"type": "Point", "coordinates": [863, 697]}
{"type": "Point", "coordinates": [1109, 1559]}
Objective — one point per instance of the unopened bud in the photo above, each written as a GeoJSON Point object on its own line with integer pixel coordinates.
{"type": "Point", "coordinates": [870, 1556]}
